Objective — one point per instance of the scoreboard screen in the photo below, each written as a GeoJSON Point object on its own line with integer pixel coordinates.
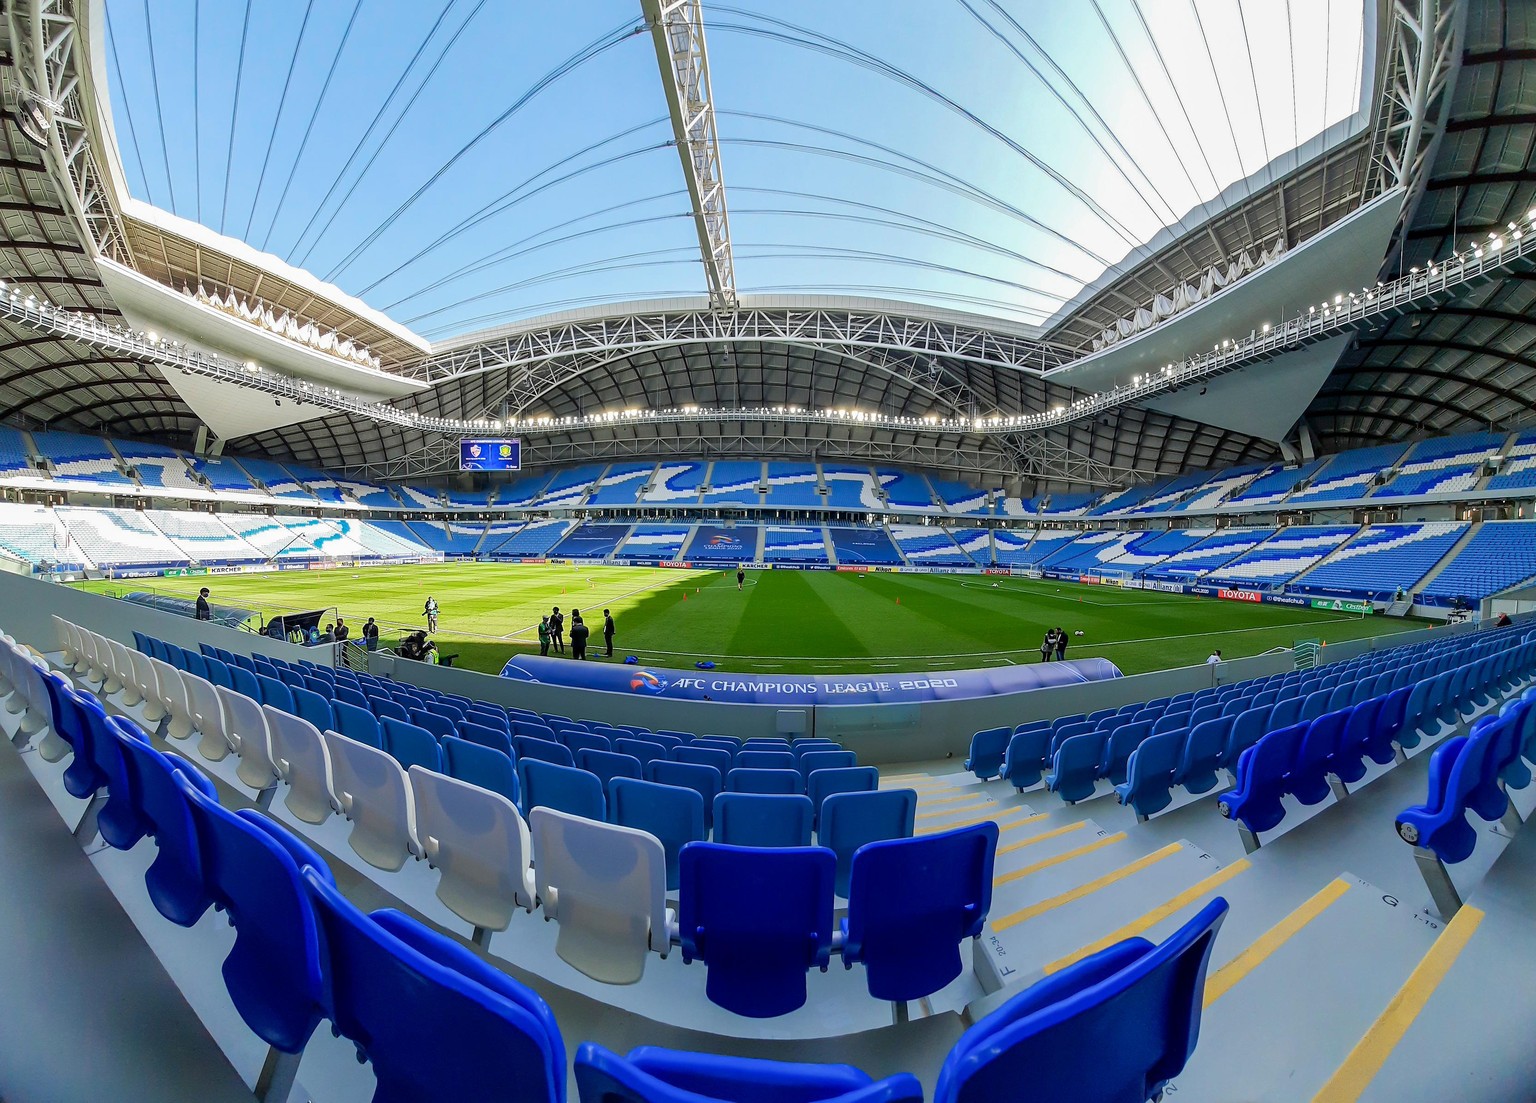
{"type": "Point", "coordinates": [490, 455]}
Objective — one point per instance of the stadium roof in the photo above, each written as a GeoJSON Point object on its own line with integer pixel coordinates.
{"type": "Point", "coordinates": [978, 95]}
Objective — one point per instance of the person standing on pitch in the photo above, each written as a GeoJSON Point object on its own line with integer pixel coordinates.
{"type": "Point", "coordinates": [1048, 646]}
{"type": "Point", "coordinates": [557, 630]}
{"type": "Point", "coordinates": [608, 631]}
{"type": "Point", "coordinates": [741, 578]}
{"type": "Point", "coordinates": [578, 635]}
{"type": "Point", "coordinates": [430, 612]}
{"type": "Point", "coordinates": [203, 612]}
{"type": "Point", "coordinates": [544, 636]}
{"type": "Point", "coordinates": [1061, 645]}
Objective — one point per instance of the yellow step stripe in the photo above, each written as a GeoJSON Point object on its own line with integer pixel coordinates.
{"type": "Point", "coordinates": [1351, 1078]}
{"type": "Point", "coordinates": [1155, 916]}
{"type": "Point", "coordinates": [926, 803]}
{"type": "Point", "coordinates": [1222, 981]}
{"type": "Point", "coordinates": [1013, 919]}
{"type": "Point", "coordinates": [1054, 833]}
{"type": "Point", "coordinates": [997, 818]}
{"type": "Point", "coordinates": [1057, 859]}
{"type": "Point", "coordinates": [981, 806]}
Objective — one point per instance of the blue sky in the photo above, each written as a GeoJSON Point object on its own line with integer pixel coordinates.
{"type": "Point", "coordinates": [461, 163]}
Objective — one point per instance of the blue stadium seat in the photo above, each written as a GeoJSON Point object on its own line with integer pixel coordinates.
{"type": "Point", "coordinates": [760, 919]}
{"type": "Point", "coordinates": [607, 765]}
{"type": "Point", "coordinates": [243, 682]}
{"type": "Point", "coordinates": [1202, 754]}
{"type": "Point", "coordinates": [1317, 756]}
{"type": "Point", "coordinates": [1118, 747]}
{"type": "Point", "coordinates": [1114, 1027]}
{"type": "Point", "coordinates": [1439, 825]}
{"type": "Point", "coordinates": [987, 751]}
{"type": "Point", "coordinates": [275, 693]}
{"type": "Point", "coordinates": [850, 779]}
{"type": "Point", "coordinates": [542, 750]}
{"type": "Point", "coordinates": [563, 788]}
{"type": "Point", "coordinates": [433, 1019]}
{"type": "Point", "coordinates": [411, 745]}
{"type": "Point", "coordinates": [1262, 773]}
{"type": "Point", "coordinates": [645, 750]}
{"type": "Point", "coordinates": [763, 819]}
{"type": "Point", "coordinates": [495, 738]}
{"type": "Point", "coordinates": [848, 821]}
{"type": "Point", "coordinates": [311, 706]}
{"type": "Point", "coordinates": [251, 870]}
{"type": "Point", "coordinates": [1360, 723]}
{"type": "Point", "coordinates": [1075, 767]}
{"type": "Point", "coordinates": [704, 780]}
{"type": "Point", "coordinates": [386, 708]}
{"type": "Point", "coordinates": [672, 813]}
{"type": "Point", "coordinates": [174, 880]}
{"type": "Point", "coordinates": [586, 741]}
{"type": "Point", "coordinates": [750, 759]}
{"type": "Point", "coordinates": [812, 761]}
{"type": "Point", "coordinates": [439, 725]}
{"type": "Point", "coordinates": [652, 1075]}
{"type": "Point", "coordinates": [1025, 759]}
{"type": "Point", "coordinates": [697, 755]}
{"type": "Point", "coordinates": [482, 766]}
{"type": "Point", "coordinates": [356, 723]}
{"type": "Point", "coordinates": [911, 902]}
{"type": "Point", "coordinates": [1149, 774]}
{"type": "Point", "coordinates": [1247, 729]}
{"type": "Point", "coordinates": [748, 780]}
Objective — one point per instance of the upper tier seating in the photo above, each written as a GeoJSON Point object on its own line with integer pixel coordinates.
{"type": "Point", "coordinates": [224, 473]}
{"type": "Point", "coordinates": [280, 482]}
{"type": "Point", "coordinates": [1067, 505]}
{"type": "Point", "coordinates": [533, 540]}
{"type": "Point", "coordinates": [157, 466]}
{"type": "Point", "coordinates": [1119, 501]}
{"type": "Point", "coordinates": [1274, 484]}
{"type": "Point", "coordinates": [203, 537]}
{"type": "Point", "coordinates": [34, 533]}
{"type": "Point", "coordinates": [120, 536]}
{"type": "Point", "coordinates": [794, 544]}
{"type": "Point", "coordinates": [906, 491]}
{"type": "Point", "coordinates": [590, 540]}
{"type": "Point", "coordinates": [1012, 551]}
{"type": "Point", "coordinates": [930, 545]}
{"type": "Point", "coordinates": [448, 538]}
{"type": "Point", "coordinates": [850, 487]}
{"type": "Point", "coordinates": [1004, 506]}
{"type": "Point", "coordinates": [975, 543]}
{"type": "Point", "coordinates": [1217, 486]}
{"type": "Point", "coordinates": [1091, 551]}
{"type": "Point", "coordinates": [1383, 558]}
{"type": "Point", "coordinates": [621, 483]}
{"type": "Point", "coordinates": [1283, 556]}
{"type": "Point", "coordinates": [1501, 554]}
{"type": "Point", "coordinates": [342, 491]}
{"type": "Point", "coordinates": [1519, 468]}
{"type": "Point", "coordinates": [416, 497]}
{"type": "Point", "coordinates": [402, 534]}
{"type": "Point", "coordinates": [662, 542]}
{"type": "Point", "coordinates": [467, 499]}
{"type": "Point", "coordinates": [1442, 466]}
{"type": "Point", "coordinates": [270, 536]}
{"type": "Point", "coordinates": [727, 545]}
{"type": "Point", "coordinates": [1168, 494]}
{"type": "Point", "coordinates": [862, 546]}
{"type": "Point", "coordinates": [570, 487]}
{"type": "Point", "coordinates": [734, 482]}
{"type": "Point", "coordinates": [793, 485]}
{"type": "Point", "coordinates": [1349, 475]}
{"type": "Point", "coordinates": [14, 459]}
{"type": "Point", "coordinates": [1217, 549]}
{"type": "Point", "coordinates": [1150, 549]}
{"type": "Point", "coordinates": [676, 483]}
{"type": "Point", "coordinates": [77, 458]}
{"type": "Point", "coordinates": [959, 497]}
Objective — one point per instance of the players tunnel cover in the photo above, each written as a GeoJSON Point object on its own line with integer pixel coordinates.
{"type": "Point", "coordinates": [813, 689]}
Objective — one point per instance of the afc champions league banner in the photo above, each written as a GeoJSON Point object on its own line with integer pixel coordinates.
{"type": "Point", "coordinates": [806, 689]}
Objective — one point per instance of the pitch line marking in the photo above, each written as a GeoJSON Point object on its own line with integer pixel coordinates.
{"type": "Point", "coordinates": [617, 597]}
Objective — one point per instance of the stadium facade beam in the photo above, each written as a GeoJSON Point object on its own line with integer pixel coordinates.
{"type": "Point", "coordinates": [677, 29]}
{"type": "Point", "coordinates": [51, 83]}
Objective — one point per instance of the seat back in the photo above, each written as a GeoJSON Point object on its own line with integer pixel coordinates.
{"type": "Point", "coordinates": [586, 741]}
{"type": "Point", "coordinates": [411, 745]}
{"type": "Point", "coordinates": [704, 780]}
{"type": "Point", "coordinates": [1202, 752]}
{"type": "Point", "coordinates": [433, 723]}
{"type": "Point", "coordinates": [542, 750]}
{"type": "Point", "coordinates": [850, 779]}
{"type": "Point", "coordinates": [812, 761]}
{"type": "Point", "coordinates": [357, 723]}
{"type": "Point", "coordinates": [673, 814]}
{"type": "Point", "coordinates": [1075, 766]}
{"type": "Point", "coordinates": [606, 885]}
{"type": "Point", "coordinates": [175, 879]}
{"type": "Point", "coordinates": [651, 1075]}
{"type": "Point", "coordinates": [1115, 1026]}
{"type": "Point", "coordinates": [760, 918]}
{"type": "Point", "coordinates": [608, 765]}
{"type": "Point", "coordinates": [749, 759]}
{"type": "Point", "coordinates": [251, 870]}
{"type": "Point", "coordinates": [299, 751]}
{"type": "Point", "coordinates": [434, 1020]}
{"type": "Point", "coordinates": [747, 780]}
{"type": "Point", "coordinates": [763, 819]}
{"type": "Point", "coordinates": [643, 750]}
{"type": "Point", "coordinates": [695, 754]}
{"type": "Point", "coordinates": [478, 842]}
{"type": "Point", "coordinates": [245, 724]}
{"type": "Point", "coordinates": [370, 788]}
{"type": "Point", "coordinates": [486, 735]}
{"type": "Point", "coordinates": [1118, 747]}
{"type": "Point", "coordinates": [561, 787]}
{"type": "Point", "coordinates": [911, 902]}
{"type": "Point", "coordinates": [1149, 773]}
{"type": "Point", "coordinates": [1025, 759]}
{"type": "Point", "coordinates": [479, 765]}
{"type": "Point", "coordinates": [850, 820]}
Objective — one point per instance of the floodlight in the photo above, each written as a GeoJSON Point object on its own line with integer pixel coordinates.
{"type": "Point", "coordinates": [34, 118]}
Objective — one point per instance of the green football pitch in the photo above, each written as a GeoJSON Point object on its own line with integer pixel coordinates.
{"type": "Point", "coordinates": [783, 621]}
